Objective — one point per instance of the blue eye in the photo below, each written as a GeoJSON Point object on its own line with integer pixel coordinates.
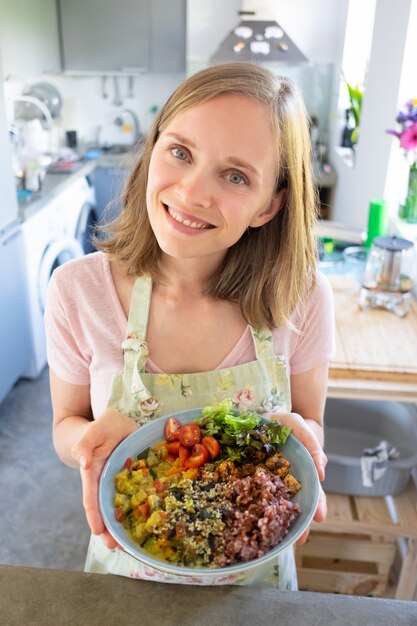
{"type": "Point", "coordinates": [178, 153]}
{"type": "Point", "coordinates": [237, 179]}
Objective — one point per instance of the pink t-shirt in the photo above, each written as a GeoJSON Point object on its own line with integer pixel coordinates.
{"type": "Point", "coordinates": [85, 326]}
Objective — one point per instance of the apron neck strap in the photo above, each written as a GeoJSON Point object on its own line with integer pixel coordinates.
{"type": "Point", "coordinates": [137, 322]}
{"type": "Point", "coordinates": [262, 341]}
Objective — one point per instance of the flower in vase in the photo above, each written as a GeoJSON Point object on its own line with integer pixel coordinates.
{"type": "Point", "coordinates": [408, 139]}
{"type": "Point", "coordinates": [407, 135]}
{"type": "Point", "coordinates": [407, 131]}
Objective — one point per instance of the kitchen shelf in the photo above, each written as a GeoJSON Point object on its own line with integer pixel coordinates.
{"type": "Point", "coordinates": [354, 550]}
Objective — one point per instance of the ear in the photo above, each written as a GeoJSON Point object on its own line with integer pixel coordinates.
{"type": "Point", "coordinates": [277, 202]}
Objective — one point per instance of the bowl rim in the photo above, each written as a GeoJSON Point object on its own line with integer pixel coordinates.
{"type": "Point", "coordinates": [121, 535]}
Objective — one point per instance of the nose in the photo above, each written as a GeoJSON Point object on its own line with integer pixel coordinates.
{"type": "Point", "coordinates": [195, 187]}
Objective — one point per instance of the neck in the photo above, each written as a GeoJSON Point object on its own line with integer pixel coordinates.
{"type": "Point", "coordinates": [191, 274]}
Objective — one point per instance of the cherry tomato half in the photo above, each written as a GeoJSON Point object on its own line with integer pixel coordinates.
{"type": "Point", "coordinates": [190, 434]}
{"type": "Point", "coordinates": [212, 446]}
{"type": "Point", "coordinates": [173, 448]}
{"type": "Point", "coordinates": [199, 456]}
{"type": "Point", "coordinates": [183, 454]}
{"type": "Point", "coordinates": [171, 428]}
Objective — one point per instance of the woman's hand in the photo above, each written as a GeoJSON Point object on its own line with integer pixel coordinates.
{"type": "Point", "coordinates": [91, 452]}
{"type": "Point", "coordinates": [309, 439]}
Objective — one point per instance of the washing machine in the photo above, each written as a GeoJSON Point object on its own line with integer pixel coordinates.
{"type": "Point", "coordinates": [78, 212]}
{"type": "Point", "coordinates": [47, 245]}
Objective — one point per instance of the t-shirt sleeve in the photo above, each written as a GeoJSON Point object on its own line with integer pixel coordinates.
{"type": "Point", "coordinates": [315, 344]}
{"type": "Point", "coordinates": [64, 355]}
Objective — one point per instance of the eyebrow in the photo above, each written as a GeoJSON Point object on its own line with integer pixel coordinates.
{"type": "Point", "coordinates": [235, 161]}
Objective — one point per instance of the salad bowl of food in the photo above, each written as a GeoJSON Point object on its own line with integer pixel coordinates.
{"type": "Point", "coordinates": [213, 493]}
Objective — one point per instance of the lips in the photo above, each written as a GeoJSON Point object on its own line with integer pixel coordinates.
{"type": "Point", "coordinates": [187, 220]}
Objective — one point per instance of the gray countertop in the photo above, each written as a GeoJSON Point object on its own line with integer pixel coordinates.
{"type": "Point", "coordinates": [45, 597]}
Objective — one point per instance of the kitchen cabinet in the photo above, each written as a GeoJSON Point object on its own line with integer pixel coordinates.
{"type": "Point", "coordinates": [137, 35]}
{"type": "Point", "coordinates": [29, 41]}
{"type": "Point", "coordinates": [108, 184]}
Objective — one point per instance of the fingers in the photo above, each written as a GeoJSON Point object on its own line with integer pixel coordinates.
{"type": "Point", "coordinates": [303, 538]}
{"type": "Point", "coordinates": [319, 516]}
{"type": "Point", "coordinates": [321, 510]}
{"type": "Point", "coordinates": [306, 436]}
{"type": "Point", "coordinates": [109, 541]}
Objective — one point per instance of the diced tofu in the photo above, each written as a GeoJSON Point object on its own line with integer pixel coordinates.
{"type": "Point", "coordinates": [292, 484]}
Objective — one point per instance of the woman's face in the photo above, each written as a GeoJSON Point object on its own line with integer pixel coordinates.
{"type": "Point", "coordinates": [211, 176]}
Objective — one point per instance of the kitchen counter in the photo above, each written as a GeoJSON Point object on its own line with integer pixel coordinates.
{"type": "Point", "coordinates": [56, 183]}
{"type": "Point", "coordinates": [42, 597]}
{"type": "Point", "coordinates": [376, 353]}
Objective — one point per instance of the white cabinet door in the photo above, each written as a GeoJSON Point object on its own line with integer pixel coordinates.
{"type": "Point", "coordinates": [29, 40]}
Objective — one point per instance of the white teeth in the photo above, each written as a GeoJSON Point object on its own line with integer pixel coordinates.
{"type": "Point", "coordinates": [178, 218]}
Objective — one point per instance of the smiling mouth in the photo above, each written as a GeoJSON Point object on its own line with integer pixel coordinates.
{"type": "Point", "coordinates": [187, 222]}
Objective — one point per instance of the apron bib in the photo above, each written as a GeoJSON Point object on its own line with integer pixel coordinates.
{"type": "Point", "coordinates": [261, 385]}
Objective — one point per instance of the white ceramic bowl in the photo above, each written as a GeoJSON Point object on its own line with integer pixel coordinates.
{"type": "Point", "coordinates": [302, 467]}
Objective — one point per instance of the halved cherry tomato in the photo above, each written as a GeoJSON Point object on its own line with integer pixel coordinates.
{"type": "Point", "coordinates": [199, 456]}
{"type": "Point", "coordinates": [173, 448]}
{"type": "Point", "coordinates": [212, 446]}
{"type": "Point", "coordinates": [190, 434]}
{"type": "Point", "coordinates": [171, 428]}
{"type": "Point", "coordinates": [183, 454]}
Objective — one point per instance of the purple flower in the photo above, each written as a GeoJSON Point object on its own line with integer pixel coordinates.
{"type": "Point", "coordinates": [407, 131]}
{"type": "Point", "coordinates": [408, 139]}
{"type": "Point", "coordinates": [390, 131]}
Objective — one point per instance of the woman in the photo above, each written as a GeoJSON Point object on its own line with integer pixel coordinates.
{"type": "Point", "coordinates": [206, 288]}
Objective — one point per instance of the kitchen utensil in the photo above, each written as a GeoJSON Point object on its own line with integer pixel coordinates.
{"type": "Point", "coordinates": [104, 87]}
{"type": "Point", "coordinates": [130, 87]}
{"type": "Point", "coordinates": [389, 275]}
{"type": "Point", "coordinates": [117, 101]}
{"type": "Point", "coordinates": [302, 466]}
{"type": "Point", "coordinates": [48, 95]}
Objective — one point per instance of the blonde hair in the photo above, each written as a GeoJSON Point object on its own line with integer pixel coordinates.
{"type": "Point", "coordinates": [271, 269]}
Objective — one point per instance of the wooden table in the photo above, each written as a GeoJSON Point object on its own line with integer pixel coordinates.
{"type": "Point", "coordinates": [376, 353]}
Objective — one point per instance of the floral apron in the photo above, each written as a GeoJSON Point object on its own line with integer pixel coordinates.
{"type": "Point", "coordinates": [261, 385]}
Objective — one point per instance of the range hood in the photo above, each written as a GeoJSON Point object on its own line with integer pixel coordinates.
{"type": "Point", "coordinates": [258, 41]}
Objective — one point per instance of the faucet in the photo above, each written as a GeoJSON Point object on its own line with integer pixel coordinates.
{"type": "Point", "coordinates": [135, 121]}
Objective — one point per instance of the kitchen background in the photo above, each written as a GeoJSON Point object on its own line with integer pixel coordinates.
{"type": "Point", "coordinates": [102, 71]}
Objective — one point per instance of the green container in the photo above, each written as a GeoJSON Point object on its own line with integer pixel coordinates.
{"type": "Point", "coordinates": [377, 221]}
